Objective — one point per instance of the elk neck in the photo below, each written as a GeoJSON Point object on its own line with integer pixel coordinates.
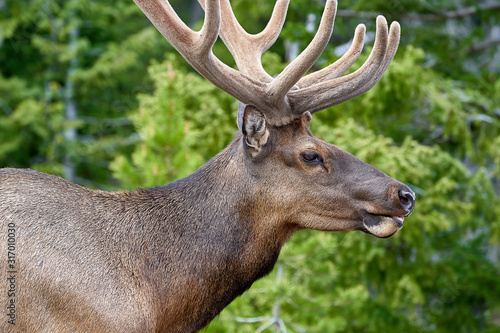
{"type": "Point", "coordinates": [224, 235]}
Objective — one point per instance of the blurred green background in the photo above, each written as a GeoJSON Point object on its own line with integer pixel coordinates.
{"type": "Point", "coordinates": [89, 90]}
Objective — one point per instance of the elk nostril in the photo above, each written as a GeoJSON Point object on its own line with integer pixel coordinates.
{"type": "Point", "coordinates": [407, 200]}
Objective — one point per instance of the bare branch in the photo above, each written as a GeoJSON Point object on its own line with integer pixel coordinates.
{"type": "Point", "coordinates": [462, 12]}
{"type": "Point", "coordinates": [484, 45]}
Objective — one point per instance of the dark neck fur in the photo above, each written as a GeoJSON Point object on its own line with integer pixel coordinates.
{"type": "Point", "coordinates": [215, 247]}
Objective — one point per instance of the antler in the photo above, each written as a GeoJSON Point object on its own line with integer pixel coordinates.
{"type": "Point", "coordinates": [196, 47]}
{"type": "Point", "coordinates": [335, 90]}
{"type": "Point", "coordinates": [247, 49]}
{"type": "Point", "coordinates": [287, 96]}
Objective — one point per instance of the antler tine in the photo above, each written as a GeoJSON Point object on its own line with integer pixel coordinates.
{"type": "Point", "coordinates": [247, 49]}
{"type": "Point", "coordinates": [339, 90]}
{"type": "Point", "coordinates": [339, 67]}
{"type": "Point", "coordinates": [392, 47]}
{"type": "Point", "coordinates": [298, 67]}
{"type": "Point", "coordinates": [196, 47]}
{"type": "Point", "coordinates": [273, 28]}
{"type": "Point", "coordinates": [168, 23]}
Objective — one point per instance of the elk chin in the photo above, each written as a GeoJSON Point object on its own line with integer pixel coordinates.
{"type": "Point", "coordinates": [382, 226]}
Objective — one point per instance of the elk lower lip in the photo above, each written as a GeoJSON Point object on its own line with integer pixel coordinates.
{"type": "Point", "coordinates": [382, 226]}
{"type": "Point", "coordinates": [398, 218]}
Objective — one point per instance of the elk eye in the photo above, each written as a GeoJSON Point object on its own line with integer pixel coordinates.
{"type": "Point", "coordinates": [311, 158]}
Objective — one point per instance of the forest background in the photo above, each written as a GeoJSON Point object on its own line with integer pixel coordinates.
{"type": "Point", "coordinates": [90, 91]}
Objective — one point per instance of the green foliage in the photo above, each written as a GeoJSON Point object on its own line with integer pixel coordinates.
{"type": "Point", "coordinates": [97, 48]}
{"type": "Point", "coordinates": [430, 108]}
{"type": "Point", "coordinates": [174, 138]}
{"type": "Point", "coordinates": [29, 123]}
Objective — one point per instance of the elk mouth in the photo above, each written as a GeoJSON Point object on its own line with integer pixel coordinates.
{"type": "Point", "coordinates": [382, 226]}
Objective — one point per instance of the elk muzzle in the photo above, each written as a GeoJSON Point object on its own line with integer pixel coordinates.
{"type": "Point", "coordinates": [384, 226]}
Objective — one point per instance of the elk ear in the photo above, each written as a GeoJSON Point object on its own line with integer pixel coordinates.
{"type": "Point", "coordinates": [254, 130]}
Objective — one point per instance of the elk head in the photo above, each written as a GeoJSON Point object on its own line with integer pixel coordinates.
{"type": "Point", "coordinates": [318, 185]}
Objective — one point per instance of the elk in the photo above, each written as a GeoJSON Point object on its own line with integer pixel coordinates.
{"type": "Point", "coordinates": [170, 258]}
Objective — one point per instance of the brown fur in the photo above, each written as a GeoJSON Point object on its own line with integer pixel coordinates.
{"type": "Point", "coordinates": [170, 258]}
